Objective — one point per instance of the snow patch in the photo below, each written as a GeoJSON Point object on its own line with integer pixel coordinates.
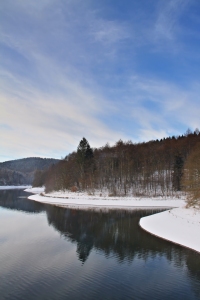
{"type": "Point", "coordinates": [178, 225]}
{"type": "Point", "coordinates": [35, 190]}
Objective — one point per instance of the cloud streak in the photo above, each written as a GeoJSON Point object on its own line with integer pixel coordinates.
{"type": "Point", "coordinates": [168, 15]}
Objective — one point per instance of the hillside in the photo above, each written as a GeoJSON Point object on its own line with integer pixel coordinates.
{"type": "Point", "coordinates": [153, 168]}
{"type": "Point", "coordinates": [21, 171]}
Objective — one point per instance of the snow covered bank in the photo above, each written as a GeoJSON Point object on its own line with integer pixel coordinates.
{"type": "Point", "coordinates": [14, 187]}
{"type": "Point", "coordinates": [107, 202]}
{"type": "Point", "coordinates": [70, 199]}
{"type": "Point", "coordinates": [35, 190]}
{"type": "Point", "coordinates": [179, 225]}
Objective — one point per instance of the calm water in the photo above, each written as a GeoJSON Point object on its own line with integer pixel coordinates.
{"type": "Point", "coordinates": [48, 252]}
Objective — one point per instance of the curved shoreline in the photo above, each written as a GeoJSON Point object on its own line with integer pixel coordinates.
{"type": "Point", "coordinates": [169, 240]}
{"type": "Point", "coordinates": [107, 202]}
{"type": "Point", "coordinates": [178, 225]}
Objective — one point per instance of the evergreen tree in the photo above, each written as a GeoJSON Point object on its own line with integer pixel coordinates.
{"type": "Point", "coordinates": [84, 155]}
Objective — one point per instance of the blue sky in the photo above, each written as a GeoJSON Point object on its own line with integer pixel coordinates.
{"type": "Point", "coordinates": [104, 70]}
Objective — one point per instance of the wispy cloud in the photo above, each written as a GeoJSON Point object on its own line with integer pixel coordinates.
{"type": "Point", "coordinates": [163, 108]}
{"type": "Point", "coordinates": [54, 106]}
{"type": "Point", "coordinates": [109, 32]}
{"type": "Point", "coordinates": [168, 15]}
{"type": "Point", "coordinates": [55, 121]}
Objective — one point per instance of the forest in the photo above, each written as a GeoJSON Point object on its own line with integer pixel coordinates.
{"type": "Point", "coordinates": [21, 171]}
{"type": "Point", "coordinates": [156, 168]}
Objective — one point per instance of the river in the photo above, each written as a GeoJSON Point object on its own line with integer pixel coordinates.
{"type": "Point", "coordinates": [48, 252]}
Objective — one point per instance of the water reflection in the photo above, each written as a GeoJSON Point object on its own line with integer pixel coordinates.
{"type": "Point", "coordinates": [17, 200]}
{"type": "Point", "coordinates": [115, 234]}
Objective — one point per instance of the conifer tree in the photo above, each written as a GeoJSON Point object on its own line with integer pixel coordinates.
{"type": "Point", "coordinates": [84, 155]}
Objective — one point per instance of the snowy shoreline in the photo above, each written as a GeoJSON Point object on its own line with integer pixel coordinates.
{"type": "Point", "coordinates": [178, 224]}
{"type": "Point", "coordinates": [103, 203]}
{"type": "Point", "coordinates": [83, 200]}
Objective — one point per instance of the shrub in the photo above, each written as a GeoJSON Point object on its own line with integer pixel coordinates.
{"type": "Point", "coordinates": [74, 189]}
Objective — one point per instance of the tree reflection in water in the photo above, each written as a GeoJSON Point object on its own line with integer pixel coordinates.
{"type": "Point", "coordinates": [17, 200]}
{"type": "Point", "coordinates": [112, 232]}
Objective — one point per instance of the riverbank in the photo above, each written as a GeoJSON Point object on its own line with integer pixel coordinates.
{"type": "Point", "coordinates": [179, 225]}
{"type": "Point", "coordinates": [83, 200]}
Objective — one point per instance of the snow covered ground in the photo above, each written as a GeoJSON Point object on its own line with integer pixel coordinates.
{"type": "Point", "coordinates": [35, 190]}
{"type": "Point", "coordinates": [14, 187]}
{"type": "Point", "coordinates": [178, 225]}
{"type": "Point", "coordinates": [88, 202]}
{"type": "Point", "coordinates": [83, 200]}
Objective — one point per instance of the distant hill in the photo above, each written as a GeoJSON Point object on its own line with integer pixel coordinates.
{"type": "Point", "coordinates": [21, 171]}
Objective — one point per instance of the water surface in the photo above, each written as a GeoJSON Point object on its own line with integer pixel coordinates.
{"type": "Point", "coordinates": [47, 252]}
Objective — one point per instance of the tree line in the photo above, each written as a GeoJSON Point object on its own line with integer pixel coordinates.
{"type": "Point", "coordinates": [154, 168]}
